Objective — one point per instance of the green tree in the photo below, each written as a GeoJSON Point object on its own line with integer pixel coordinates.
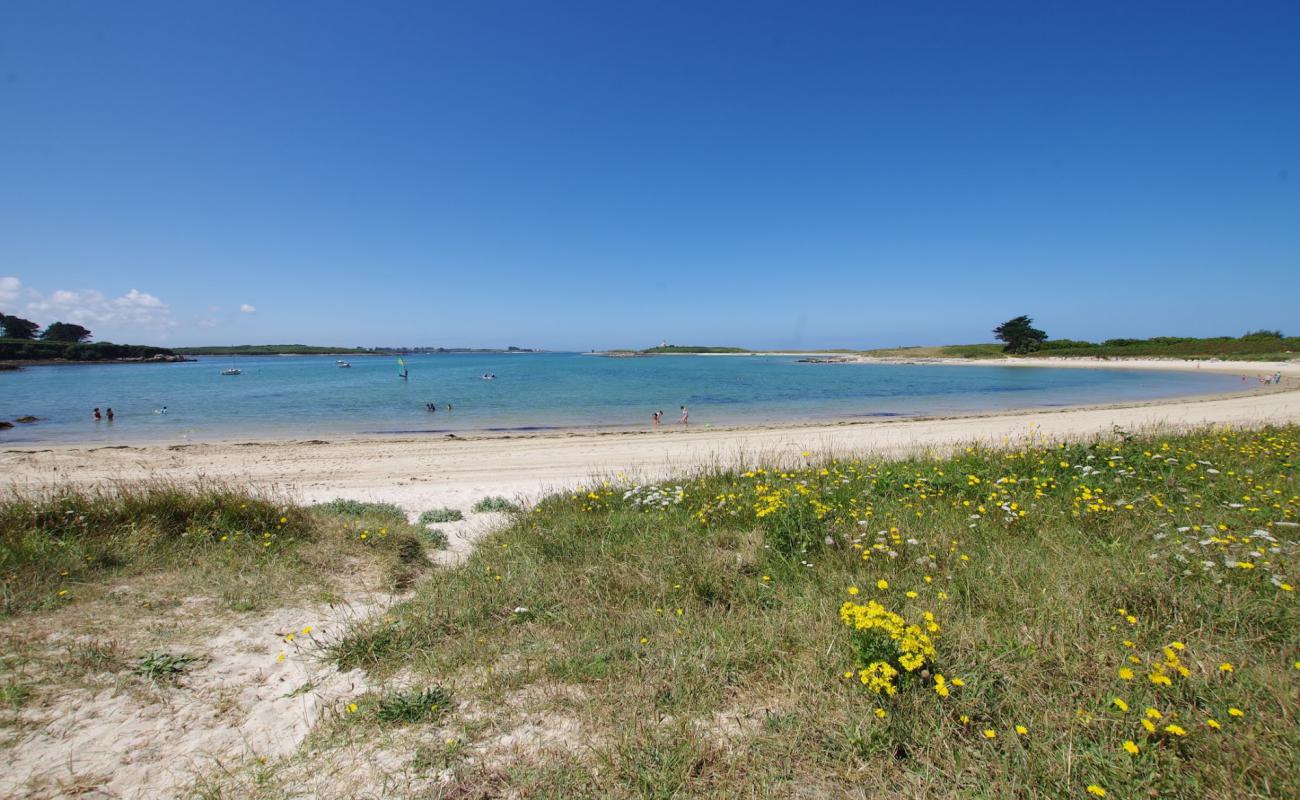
{"type": "Point", "coordinates": [65, 332]}
{"type": "Point", "coordinates": [1020, 335]}
{"type": "Point", "coordinates": [17, 327]}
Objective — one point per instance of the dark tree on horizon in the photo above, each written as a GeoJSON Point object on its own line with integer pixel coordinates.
{"type": "Point", "coordinates": [65, 332]}
{"type": "Point", "coordinates": [17, 327]}
{"type": "Point", "coordinates": [1020, 335]}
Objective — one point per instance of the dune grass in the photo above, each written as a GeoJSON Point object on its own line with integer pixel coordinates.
{"type": "Point", "coordinates": [1048, 620]}
{"type": "Point", "coordinates": [245, 547]}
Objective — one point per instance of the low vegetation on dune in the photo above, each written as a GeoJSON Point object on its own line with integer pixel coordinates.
{"type": "Point", "coordinates": [1111, 618]}
{"type": "Point", "coordinates": [58, 548]}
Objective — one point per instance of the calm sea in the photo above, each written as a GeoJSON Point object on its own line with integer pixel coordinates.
{"type": "Point", "coordinates": [308, 396]}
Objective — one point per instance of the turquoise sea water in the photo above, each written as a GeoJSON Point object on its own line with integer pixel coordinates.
{"type": "Point", "coordinates": [308, 396]}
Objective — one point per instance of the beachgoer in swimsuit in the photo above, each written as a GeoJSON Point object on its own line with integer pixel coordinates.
{"type": "Point", "coordinates": [96, 415]}
{"type": "Point", "coordinates": [686, 415]}
{"type": "Point", "coordinates": [109, 414]}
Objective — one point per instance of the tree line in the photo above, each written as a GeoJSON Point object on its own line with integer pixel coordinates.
{"type": "Point", "coordinates": [13, 327]}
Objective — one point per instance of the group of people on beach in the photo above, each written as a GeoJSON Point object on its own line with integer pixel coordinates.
{"type": "Point", "coordinates": [432, 407]}
{"type": "Point", "coordinates": [98, 416]}
{"type": "Point", "coordinates": [1266, 379]}
{"type": "Point", "coordinates": [658, 417]}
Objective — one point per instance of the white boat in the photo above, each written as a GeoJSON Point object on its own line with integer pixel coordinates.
{"type": "Point", "coordinates": [231, 371]}
{"type": "Point", "coordinates": [341, 364]}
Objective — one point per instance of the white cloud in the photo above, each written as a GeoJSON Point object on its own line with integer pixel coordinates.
{"type": "Point", "coordinates": [91, 307]}
{"type": "Point", "coordinates": [9, 289]}
{"type": "Point", "coordinates": [247, 309]}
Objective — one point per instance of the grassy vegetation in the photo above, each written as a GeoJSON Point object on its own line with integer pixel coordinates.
{"type": "Point", "coordinates": [435, 515]}
{"type": "Point", "coordinates": [40, 350]}
{"type": "Point", "coordinates": [1051, 620]}
{"type": "Point", "coordinates": [494, 503]}
{"type": "Point", "coordinates": [356, 508]}
{"type": "Point", "coordinates": [1259, 346]}
{"type": "Point", "coordinates": [242, 547]}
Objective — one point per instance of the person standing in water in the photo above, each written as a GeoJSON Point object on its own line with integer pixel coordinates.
{"type": "Point", "coordinates": [686, 416]}
{"type": "Point", "coordinates": [109, 414]}
{"type": "Point", "coordinates": [96, 415]}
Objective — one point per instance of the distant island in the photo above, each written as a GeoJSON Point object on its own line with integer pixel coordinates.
{"type": "Point", "coordinates": [672, 349]}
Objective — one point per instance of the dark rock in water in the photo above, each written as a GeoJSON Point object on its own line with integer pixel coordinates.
{"type": "Point", "coordinates": [4, 425]}
{"type": "Point", "coordinates": [9, 367]}
{"type": "Point", "coordinates": [26, 419]}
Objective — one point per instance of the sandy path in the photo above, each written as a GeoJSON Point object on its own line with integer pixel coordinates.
{"type": "Point", "coordinates": [426, 473]}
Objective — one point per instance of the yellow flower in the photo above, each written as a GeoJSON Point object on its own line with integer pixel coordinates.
{"type": "Point", "coordinates": [352, 708]}
{"type": "Point", "coordinates": [1096, 790]}
{"type": "Point", "coordinates": [1176, 730]}
{"type": "Point", "coordinates": [306, 630]}
{"type": "Point", "coordinates": [1153, 713]}
{"type": "Point", "coordinates": [989, 733]}
{"type": "Point", "coordinates": [1131, 747]}
{"type": "Point", "coordinates": [644, 640]}
{"type": "Point", "coordinates": [1213, 723]}
{"type": "Point", "coordinates": [279, 658]}
{"type": "Point", "coordinates": [1120, 704]}
{"type": "Point", "coordinates": [1126, 673]}
{"type": "Point", "coordinates": [1225, 667]}
{"type": "Point", "coordinates": [1236, 712]}
{"type": "Point", "coordinates": [1022, 730]}
{"type": "Point", "coordinates": [853, 590]}
{"type": "Point", "coordinates": [880, 713]}
{"type": "Point", "coordinates": [1150, 728]}
{"type": "Point", "coordinates": [958, 682]}
{"type": "Point", "coordinates": [882, 584]}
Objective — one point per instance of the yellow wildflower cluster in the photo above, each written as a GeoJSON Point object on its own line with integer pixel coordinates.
{"type": "Point", "coordinates": [895, 643]}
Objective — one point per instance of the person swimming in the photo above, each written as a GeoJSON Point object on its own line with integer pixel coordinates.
{"type": "Point", "coordinates": [109, 414]}
{"type": "Point", "coordinates": [96, 415]}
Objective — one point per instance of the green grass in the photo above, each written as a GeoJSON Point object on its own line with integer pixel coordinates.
{"type": "Point", "coordinates": [245, 549]}
{"type": "Point", "coordinates": [413, 705]}
{"type": "Point", "coordinates": [358, 508]}
{"type": "Point", "coordinates": [435, 515]}
{"type": "Point", "coordinates": [162, 667]}
{"type": "Point", "coordinates": [696, 644]}
{"type": "Point", "coordinates": [494, 503]}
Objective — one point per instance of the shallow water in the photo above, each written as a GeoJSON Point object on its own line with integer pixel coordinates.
{"type": "Point", "coordinates": [308, 396]}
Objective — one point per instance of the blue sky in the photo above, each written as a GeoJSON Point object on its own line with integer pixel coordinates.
{"type": "Point", "coordinates": [579, 175]}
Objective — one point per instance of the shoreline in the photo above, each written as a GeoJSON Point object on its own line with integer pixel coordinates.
{"type": "Point", "coordinates": [425, 472]}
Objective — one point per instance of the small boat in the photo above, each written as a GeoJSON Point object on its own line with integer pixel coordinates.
{"type": "Point", "coordinates": [488, 376]}
{"type": "Point", "coordinates": [341, 364]}
{"type": "Point", "coordinates": [231, 371]}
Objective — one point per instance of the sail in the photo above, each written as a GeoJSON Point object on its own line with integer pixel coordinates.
{"type": "Point", "coordinates": [401, 366]}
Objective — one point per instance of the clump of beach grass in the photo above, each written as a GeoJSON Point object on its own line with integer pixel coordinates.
{"type": "Point", "coordinates": [436, 515]}
{"type": "Point", "coordinates": [494, 503]}
{"type": "Point", "coordinates": [247, 548]}
{"type": "Point", "coordinates": [1056, 619]}
{"type": "Point", "coordinates": [356, 508]}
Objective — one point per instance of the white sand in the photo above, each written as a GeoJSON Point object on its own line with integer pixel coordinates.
{"type": "Point", "coordinates": [423, 473]}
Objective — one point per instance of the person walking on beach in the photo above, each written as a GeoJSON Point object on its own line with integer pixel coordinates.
{"type": "Point", "coordinates": [96, 415]}
{"type": "Point", "coordinates": [686, 417]}
{"type": "Point", "coordinates": [655, 415]}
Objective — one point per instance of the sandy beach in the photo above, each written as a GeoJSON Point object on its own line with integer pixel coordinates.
{"type": "Point", "coordinates": [421, 473]}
